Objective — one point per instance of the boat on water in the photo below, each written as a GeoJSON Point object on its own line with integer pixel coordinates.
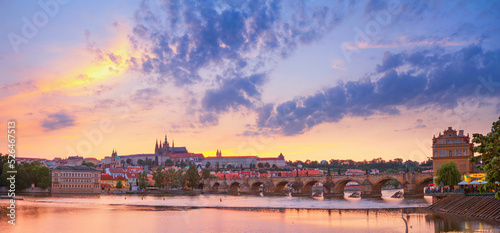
{"type": "Point", "coordinates": [398, 194]}
{"type": "Point", "coordinates": [261, 190]}
{"type": "Point", "coordinates": [317, 190]}
{"type": "Point", "coordinates": [355, 194]}
{"type": "Point", "coordinates": [7, 197]}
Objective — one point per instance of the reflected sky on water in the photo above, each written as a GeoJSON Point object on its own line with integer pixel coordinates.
{"type": "Point", "coordinates": [205, 213]}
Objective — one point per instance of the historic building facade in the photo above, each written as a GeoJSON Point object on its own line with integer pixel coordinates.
{"type": "Point", "coordinates": [452, 146]}
{"type": "Point", "coordinates": [75, 179]}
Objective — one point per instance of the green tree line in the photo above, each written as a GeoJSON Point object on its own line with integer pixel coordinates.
{"type": "Point", "coordinates": [171, 178]}
{"type": "Point", "coordinates": [27, 174]}
{"type": "Point", "coordinates": [378, 163]}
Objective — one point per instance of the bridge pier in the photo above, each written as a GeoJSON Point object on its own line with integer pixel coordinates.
{"type": "Point", "coordinates": [368, 191]}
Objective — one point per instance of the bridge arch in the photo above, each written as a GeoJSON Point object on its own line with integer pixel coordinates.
{"type": "Point", "coordinates": [215, 187]}
{"type": "Point", "coordinates": [280, 187]}
{"type": "Point", "coordinates": [307, 188]}
{"type": "Point", "coordinates": [420, 185]}
{"type": "Point", "coordinates": [255, 186]}
{"type": "Point", "coordinates": [377, 187]}
{"type": "Point", "coordinates": [339, 186]}
{"type": "Point", "coordinates": [234, 187]}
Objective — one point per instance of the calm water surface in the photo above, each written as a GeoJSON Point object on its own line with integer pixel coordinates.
{"type": "Point", "coordinates": [206, 213]}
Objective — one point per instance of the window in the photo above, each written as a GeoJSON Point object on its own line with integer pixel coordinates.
{"type": "Point", "coordinates": [450, 141]}
{"type": "Point", "coordinates": [441, 141]}
{"type": "Point", "coordinates": [450, 153]}
{"type": "Point", "coordinates": [459, 152]}
{"type": "Point", "coordinates": [441, 153]}
{"type": "Point", "coordinates": [465, 152]}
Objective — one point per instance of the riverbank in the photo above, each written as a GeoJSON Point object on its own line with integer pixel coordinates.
{"type": "Point", "coordinates": [486, 207]}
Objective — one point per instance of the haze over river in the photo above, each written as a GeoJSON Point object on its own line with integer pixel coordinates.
{"type": "Point", "coordinates": [207, 213]}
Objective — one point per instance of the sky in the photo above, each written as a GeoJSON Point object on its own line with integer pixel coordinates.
{"type": "Point", "coordinates": [314, 80]}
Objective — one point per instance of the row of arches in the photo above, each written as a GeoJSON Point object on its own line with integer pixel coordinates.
{"type": "Point", "coordinates": [337, 188]}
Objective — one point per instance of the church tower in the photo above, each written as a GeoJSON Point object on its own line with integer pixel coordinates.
{"type": "Point", "coordinates": [113, 159]}
{"type": "Point", "coordinates": [156, 148]}
{"type": "Point", "coordinates": [166, 147]}
{"type": "Point", "coordinates": [218, 154]}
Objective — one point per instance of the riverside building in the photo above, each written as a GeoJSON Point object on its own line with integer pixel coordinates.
{"type": "Point", "coordinates": [75, 179]}
{"type": "Point", "coordinates": [452, 146]}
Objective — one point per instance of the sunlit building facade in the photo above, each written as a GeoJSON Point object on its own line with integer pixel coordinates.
{"type": "Point", "coordinates": [452, 146]}
{"type": "Point", "coordinates": [75, 179]}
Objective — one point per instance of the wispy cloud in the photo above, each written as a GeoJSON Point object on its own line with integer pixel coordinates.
{"type": "Point", "coordinates": [56, 121]}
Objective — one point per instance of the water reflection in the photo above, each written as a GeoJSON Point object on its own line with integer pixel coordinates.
{"type": "Point", "coordinates": [234, 213]}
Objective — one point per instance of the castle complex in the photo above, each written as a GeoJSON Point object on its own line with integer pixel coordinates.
{"type": "Point", "coordinates": [178, 155]}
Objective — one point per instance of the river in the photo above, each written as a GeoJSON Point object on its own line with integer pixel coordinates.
{"type": "Point", "coordinates": [225, 213]}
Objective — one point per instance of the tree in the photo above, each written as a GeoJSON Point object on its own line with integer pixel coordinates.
{"type": "Point", "coordinates": [142, 180]}
{"type": "Point", "coordinates": [260, 165]}
{"type": "Point", "coordinates": [205, 174]}
{"type": "Point", "coordinates": [391, 171]}
{"type": "Point", "coordinates": [169, 163]}
{"type": "Point", "coordinates": [192, 177]}
{"type": "Point", "coordinates": [88, 164]}
{"type": "Point", "coordinates": [119, 184]}
{"type": "Point", "coordinates": [159, 177]}
{"type": "Point", "coordinates": [129, 161]}
{"type": "Point", "coordinates": [140, 162]}
{"type": "Point", "coordinates": [229, 166]}
{"type": "Point", "coordinates": [181, 178]}
{"type": "Point", "coordinates": [489, 147]}
{"type": "Point", "coordinates": [5, 175]}
{"type": "Point", "coordinates": [207, 165]}
{"type": "Point", "coordinates": [43, 177]}
{"type": "Point", "coordinates": [267, 165]}
{"type": "Point", "coordinates": [448, 173]}
{"type": "Point", "coordinates": [171, 180]}
{"type": "Point", "coordinates": [22, 178]}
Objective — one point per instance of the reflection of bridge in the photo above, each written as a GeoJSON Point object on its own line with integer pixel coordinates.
{"type": "Point", "coordinates": [371, 185]}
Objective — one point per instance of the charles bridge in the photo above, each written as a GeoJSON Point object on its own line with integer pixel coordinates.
{"type": "Point", "coordinates": [333, 185]}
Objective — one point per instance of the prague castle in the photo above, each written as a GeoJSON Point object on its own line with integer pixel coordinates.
{"type": "Point", "coordinates": [163, 152]}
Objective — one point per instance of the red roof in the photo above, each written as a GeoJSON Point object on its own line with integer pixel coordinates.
{"type": "Point", "coordinates": [270, 158]}
{"type": "Point", "coordinates": [117, 170]}
{"type": "Point", "coordinates": [120, 178]}
{"type": "Point", "coordinates": [228, 176]}
{"type": "Point", "coordinates": [354, 171]}
{"type": "Point", "coordinates": [131, 174]}
{"type": "Point", "coordinates": [309, 172]}
{"type": "Point", "coordinates": [226, 157]}
{"type": "Point", "coordinates": [109, 177]}
{"type": "Point", "coordinates": [186, 155]}
{"type": "Point", "coordinates": [106, 177]}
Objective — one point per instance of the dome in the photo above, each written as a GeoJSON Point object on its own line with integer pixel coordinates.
{"type": "Point", "coordinates": [281, 156]}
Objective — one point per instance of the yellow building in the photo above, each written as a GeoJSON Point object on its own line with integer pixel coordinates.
{"type": "Point", "coordinates": [75, 179]}
{"type": "Point", "coordinates": [109, 183]}
{"type": "Point", "coordinates": [452, 146]}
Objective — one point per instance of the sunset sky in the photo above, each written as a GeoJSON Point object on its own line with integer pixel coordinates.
{"type": "Point", "coordinates": [313, 80]}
